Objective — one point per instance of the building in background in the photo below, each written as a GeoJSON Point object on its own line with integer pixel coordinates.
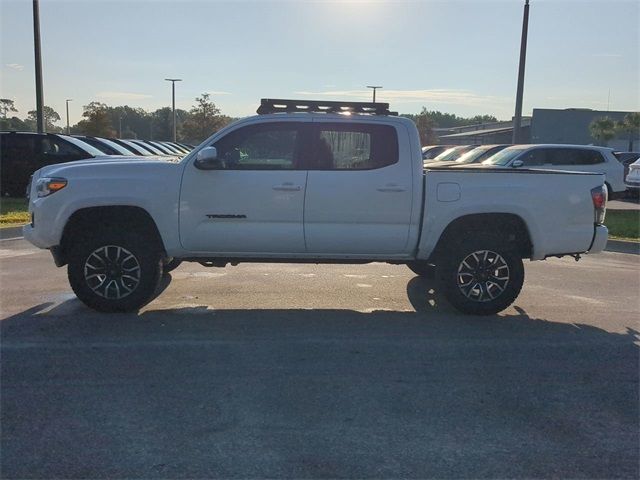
{"type": "Point", "coordinates": [546, 125]}
{"type": "Point", "coordinates": [482, 134]}
{"type": "Point", "coordinates": [571, 126]}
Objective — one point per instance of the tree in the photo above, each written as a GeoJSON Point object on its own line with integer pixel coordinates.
{"type": "Point", "coordinates": [483, 119]}
{"type": "Point", "coordinates": [450, 120]}
{"type": "Point", "coordinates": [136, 122]}
{"type": "Point", "coordinates": [161, 123]}
{"type": "Point", "coordinates": [602, 129]}
{"type": "Point", "coordinates": [424, 124]}
{"type": "Point", "coordinates": [97, 120]}
{"type": "Point", "coordinates": [50, 117]}
{"type": "Point", "coordinates": [15, 124]}
{"type": "Point", "coordinates": [7, 105]}
{"type": "Point", "coordinates": [204, 119]}
{"type": "Point", "coordinates": [630, 126]}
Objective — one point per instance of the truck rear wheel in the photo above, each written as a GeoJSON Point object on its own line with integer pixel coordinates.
{"type": "Point", "coordinates": [481, 276]}
{"type": "Point", "coordinates": [114, 272]}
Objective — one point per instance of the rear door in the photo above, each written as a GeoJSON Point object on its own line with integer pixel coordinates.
{"type": "Point", "coordinates": [359, 194]}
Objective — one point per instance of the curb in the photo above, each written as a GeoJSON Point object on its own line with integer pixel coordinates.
{"type": "Point", "coordinates": [10, 232]}
{"type": "Point", "coordinates": [622, 246]}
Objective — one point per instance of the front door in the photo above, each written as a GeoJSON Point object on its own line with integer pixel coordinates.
{"type": "Point", "coordinates": [252, 204]}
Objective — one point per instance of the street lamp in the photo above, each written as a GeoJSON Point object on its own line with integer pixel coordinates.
{"type": "Point", "coordinates": [517, 119]}
{"type": "Point", "coordinates": [38, 68]}
{"type": "Point", "coordinates": [173, 103]}
{"type": "Point", "coordinates": [374, 87]}
{"type": "Point", "coordinates": [67, 102]}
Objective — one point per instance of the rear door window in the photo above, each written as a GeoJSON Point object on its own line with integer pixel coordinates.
{"type": "Point", "coordinates": [573, 156]}
{"type": "Point", "coordinates": [589, 157]}
{"type": "Point", "coordinates": [534, 158]}
{"type": "Point", "coordinates": [344, 146]}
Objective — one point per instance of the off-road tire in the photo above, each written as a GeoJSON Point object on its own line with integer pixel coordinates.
{"type": "Point", "coordinates": [422, 269]}
{"type": "Point", "coordinates": [148, 259]}
{"type": "Point", "coordinates": [171, 265]}
{"type": "Point", "coordinates": [453, 276]}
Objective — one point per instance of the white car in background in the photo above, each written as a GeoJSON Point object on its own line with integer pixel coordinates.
{"type": "Point", "coordinates": [633, 177]}
{"type": "Point", "coordinates": [572, 158]}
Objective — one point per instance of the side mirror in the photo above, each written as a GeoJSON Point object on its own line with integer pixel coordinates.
{"type": "Point", "coordinates": [207, 159]}
{"type": "Point", "coordinates": [517, 163]}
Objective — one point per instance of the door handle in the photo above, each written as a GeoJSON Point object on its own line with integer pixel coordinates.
{"type": "Point", "coordinates": [287, 187]}
{"type": "Point", "coordinates": [391, 187]}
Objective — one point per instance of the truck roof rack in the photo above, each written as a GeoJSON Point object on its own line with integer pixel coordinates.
{"type": "Point", "coordinates": [273, 105]}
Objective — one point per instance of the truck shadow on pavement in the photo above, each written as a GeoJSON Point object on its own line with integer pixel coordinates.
{"type": "Point", "coordinates": [252, 393]}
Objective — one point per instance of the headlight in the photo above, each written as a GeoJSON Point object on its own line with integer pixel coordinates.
{"type": "Point", "coordinates": [46, 186]}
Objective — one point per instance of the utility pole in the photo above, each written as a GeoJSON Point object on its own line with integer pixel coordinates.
{"type": "Point", "coordinates": [517, 119]}
{"type": "Point", "coordinates": [38, 64]}
{"type": "Point", "coordinates": [173, 102]}
{"type": "Point", "coordinates": [374, 87]}
{"type": "Point", "coordinates": [67, 102]}
{"type": "Point", "coordinates": [120, 126]}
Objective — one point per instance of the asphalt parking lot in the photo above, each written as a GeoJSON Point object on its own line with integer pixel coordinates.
{"type": "Point", "coordinates": [312, 371]}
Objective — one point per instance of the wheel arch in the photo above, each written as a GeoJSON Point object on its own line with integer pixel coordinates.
{"type": "Point", "coordinates": [83, 222]}
{"type": "Point", "coordinates": [508, 226]}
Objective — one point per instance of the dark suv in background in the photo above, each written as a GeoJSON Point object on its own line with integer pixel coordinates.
{"type": "Point", "coordinates": [22, 153]}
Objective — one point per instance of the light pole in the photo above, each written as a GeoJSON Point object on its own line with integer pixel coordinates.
{"type": "Point", "coordinates": [374, 87]}
{"type": "Point", "coordinates": [517, 119]}
{"type": "Point", "coordinates": [173, 102]}
{"type": "Point", "coordinates": [38, 65]}
{"type": "Point", "coordinates": [67, 102]}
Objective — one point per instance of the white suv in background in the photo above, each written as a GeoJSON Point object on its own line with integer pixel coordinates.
{"type": "Point", "coordinates": [573, 158]}
{"type": "Point", "coordinates": [633, 178]}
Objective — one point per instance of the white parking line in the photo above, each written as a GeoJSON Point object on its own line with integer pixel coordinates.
{"type": "Point", "coordinates": [16, 253]}
{"type": "Point", "coordinates": [12, 238]}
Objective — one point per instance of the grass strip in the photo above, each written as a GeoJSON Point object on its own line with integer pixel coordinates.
{"type": "Point", "coordinates": [13, 211]}
{"type": "Point", "coordinates": [623, 224]}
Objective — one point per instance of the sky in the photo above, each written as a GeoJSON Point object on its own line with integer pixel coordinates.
{"type": "Point", "coordinates": [457, 56]}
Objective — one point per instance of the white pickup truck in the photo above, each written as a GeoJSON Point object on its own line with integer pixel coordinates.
{"type": "Point", "coordinates": [316, 182]}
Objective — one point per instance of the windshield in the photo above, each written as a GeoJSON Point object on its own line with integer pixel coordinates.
{"type": "Point", "coordinates": [451, 154]}
{"type": "Point", "coordinates": [136, 148]}
{"type": "Point", "coordinates": [472, 155]}
{"type": "Point", "coordinates": [157, 146]}
{"type": "Point", "coordinates": [148, 147]}
{"type": "Point", "coordinates": [83, 145]}
{"type": "Point", "coordinates": [118, 148]}
{"type": "Point", "coordinates": [505, 156]}
{"type": "Point", "coordinates": [479, 154]}
{"type": "Point", "coordinates": [172, 150]}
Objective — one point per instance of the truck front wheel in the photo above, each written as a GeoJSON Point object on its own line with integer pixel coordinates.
{"type": "Point", "coordinates": [114, 272]}
{"type": "Point", "coordinates": [422, 268]}
{"type": "Point", "coordinates": [481, 276]}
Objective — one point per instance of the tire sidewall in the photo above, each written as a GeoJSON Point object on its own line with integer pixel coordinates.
{"type": "Point", "coordinates": [448, 273]}
{"type": "Point", "coordinates": [421, 268]}
{"type": "Point", "coordinates": [148, 258]}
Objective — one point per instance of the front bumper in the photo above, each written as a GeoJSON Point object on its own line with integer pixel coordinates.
{"type": "Point", "coordinates": [31, 236]}
{"type": "Point", "coordinates": [599, 239]}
